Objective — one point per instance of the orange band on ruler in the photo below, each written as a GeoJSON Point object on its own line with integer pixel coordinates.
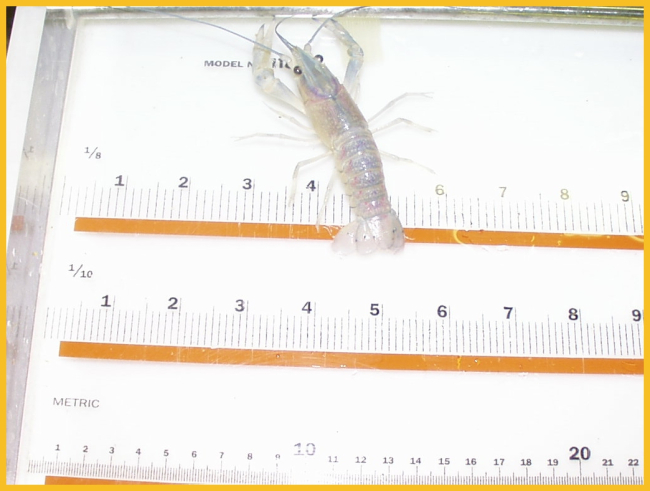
{"type": "Point", "coordinates": [297, 231]}
{"type": "Point", "coordinates": [392, 361]}
{"type": "Point", "coordinates": [92, 481]}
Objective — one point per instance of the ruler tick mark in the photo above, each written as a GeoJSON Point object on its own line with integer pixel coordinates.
{"type": "Point", "coordinates": [155, 205]}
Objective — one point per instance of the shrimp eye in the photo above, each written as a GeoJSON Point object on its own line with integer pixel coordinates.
{"type": "Point", "coordinates": [297, 70]}
{"type": "Point", "coordinates": [319, 58]}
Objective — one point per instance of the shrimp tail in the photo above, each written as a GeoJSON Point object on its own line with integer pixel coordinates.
{"type": "Point", "coordinates": [366, 235]}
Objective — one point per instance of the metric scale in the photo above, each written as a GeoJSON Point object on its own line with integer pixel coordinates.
{"type": "Point", "coordinates": [175, 318]}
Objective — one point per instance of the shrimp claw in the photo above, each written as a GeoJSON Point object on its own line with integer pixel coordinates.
{"type": "Point", "coordinates": [351, 80]}
{"type": "Point", "coordinates": [263, 70]}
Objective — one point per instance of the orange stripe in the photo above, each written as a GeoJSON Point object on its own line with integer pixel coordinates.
{"type": "Point", "coordinates": [216, 229]}
{"type": "Point", "coordinates": [107, 351]}
{"type": "Point", "coordinates": [296, 231]}
{"type": "Point", "coordinates": [529, 239]}
{"type": "Point", "coordinates": [90, 481]}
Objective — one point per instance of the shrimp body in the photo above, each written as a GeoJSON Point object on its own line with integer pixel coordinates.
{"type": "Point", "coordinates": [342, 128]}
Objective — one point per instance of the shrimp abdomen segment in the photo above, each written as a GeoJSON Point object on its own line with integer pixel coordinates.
{"type": "Point", "coordinates": [377, 226]}
{"type": "Point", "coordinates": [358, 160]}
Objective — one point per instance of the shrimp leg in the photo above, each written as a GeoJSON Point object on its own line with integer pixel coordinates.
{"type": "Point", "coordinates": [328, 194]}
{"type": "Point", "coordinates": [397, 121]}
{"type": "Point", "coordinates": [398, 99]}
{"type": "Point", "coordinates": [296, 171]}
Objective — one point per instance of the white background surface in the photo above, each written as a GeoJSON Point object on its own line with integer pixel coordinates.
{"type": "Point", "coordinates": [525, 106]}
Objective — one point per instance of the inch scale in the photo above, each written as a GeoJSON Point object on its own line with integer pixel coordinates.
{"type": "Point", "coordinates": [181, 334]}
{"type": "Point", "coordinates": [621, 215]}
{"type": "Point", "coordinates": [375, 334]}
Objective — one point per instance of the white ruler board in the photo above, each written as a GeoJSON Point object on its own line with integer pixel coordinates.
{"type": "Point", "coordinates": [140, 341]}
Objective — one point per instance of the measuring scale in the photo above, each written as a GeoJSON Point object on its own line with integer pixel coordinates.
{"type": "Point", "coordinates": [185, 322]}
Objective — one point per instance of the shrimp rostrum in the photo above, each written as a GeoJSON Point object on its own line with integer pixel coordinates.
{"type": "Point", "coordinates": [342, 128]}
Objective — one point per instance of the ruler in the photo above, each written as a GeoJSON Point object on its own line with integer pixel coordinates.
{"type": "Point", "coordinates": [191, 324]}
{"type": "Point", "coordinates": [435, 219]}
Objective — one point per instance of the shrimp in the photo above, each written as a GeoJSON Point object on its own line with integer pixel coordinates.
{"type": "Point", "coordinates": [342, 128]}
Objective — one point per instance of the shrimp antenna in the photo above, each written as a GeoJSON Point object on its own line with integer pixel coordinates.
{"type": "Point", "coordinates": [341, 13]}
{"type": "Point", "coordinates": [286, 43]}
{"type": "Point", "coordinates": [198, 21]}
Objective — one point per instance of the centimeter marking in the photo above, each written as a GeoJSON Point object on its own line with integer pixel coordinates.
{"type": "Point", "coordinates": [96, 473]}
{"type": "Point", "coordinates": [440, 211]}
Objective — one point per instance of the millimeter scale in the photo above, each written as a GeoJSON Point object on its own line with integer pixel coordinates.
{"type": "Point", "coordinates": [174, 316]}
